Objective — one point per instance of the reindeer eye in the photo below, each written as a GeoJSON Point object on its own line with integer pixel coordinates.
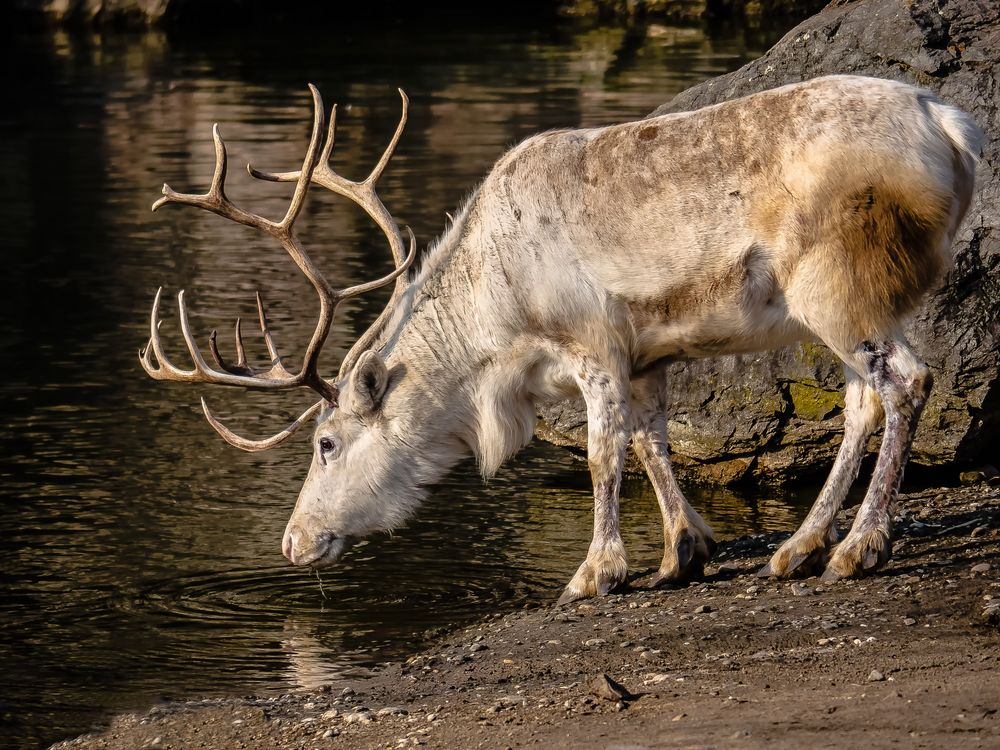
{"type": "Point", "coordinates": [326, 445]}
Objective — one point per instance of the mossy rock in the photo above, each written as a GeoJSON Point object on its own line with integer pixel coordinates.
{"type": "Point", "coordinates": [813, 402]}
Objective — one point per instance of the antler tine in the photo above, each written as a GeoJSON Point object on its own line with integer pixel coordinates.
{"type": "Point", "coordinates": [369, 337]}
{"type": "Point", "coordinates": [308, 163]}
{"type": "Point", "coordinates": [277, 366]}
{"type": "Point", "coordinates": [252, 446]}
{"type": "Point", "coordinates": [215, 199]}
{"type": "Point", "coordinates": [213, 348]}
{"type": "Point", "coordinates": [241, 355]}
{"type": "Point", "coordinates": [240, 367]}
{"type": "Point", "coordinates": [163, 368]}
{"type": "Point", "coordinates": [354, 291]}
{"type": "Point", "coordinates": [379, 168]}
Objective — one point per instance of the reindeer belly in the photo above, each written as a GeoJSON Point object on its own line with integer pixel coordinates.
{"type": "Point", "coordinates": [737, 310]}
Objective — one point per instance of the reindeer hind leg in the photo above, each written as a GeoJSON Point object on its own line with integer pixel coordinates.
{"type": "Point", "coordinates": [903, 382]}
{"type": "Point", "coordinates": [805, 553]}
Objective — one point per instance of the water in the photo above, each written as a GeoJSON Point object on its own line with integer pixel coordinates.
{"type": "Point", "coordinates": [140, 553]}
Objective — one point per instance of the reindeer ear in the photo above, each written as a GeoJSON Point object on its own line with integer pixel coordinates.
{"type": "Point", "coordinates": [368, 382]}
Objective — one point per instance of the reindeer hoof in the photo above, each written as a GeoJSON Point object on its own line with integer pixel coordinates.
{"type": "Point", "coordinates": [801, 556]}
{"type": "Point", "coordinates": [859, 555]}
{"type": "Point", "coordinates": [686, 561]}
{"type": "Point", "coordinates": [600, 574]}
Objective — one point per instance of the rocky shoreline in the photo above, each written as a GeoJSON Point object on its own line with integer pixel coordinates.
{"type": "Point", "coordinates": [907, 657]}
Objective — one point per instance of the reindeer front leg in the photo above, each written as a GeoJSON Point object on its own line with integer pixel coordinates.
{"type": "Point", "coordinates": [688, 542]}
{"type": "Point", "coordinates": [606, 396]}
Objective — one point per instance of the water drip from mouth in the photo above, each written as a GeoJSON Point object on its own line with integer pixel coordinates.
{"type": "Point", "coordinates": [320, 581]}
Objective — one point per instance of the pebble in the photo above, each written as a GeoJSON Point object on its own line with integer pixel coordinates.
{"type": "Point", "coordinates": [432, 717]}
{"type": "Point", "coordinates": [980, 569]}
{"type": "Point", "coordinates": [604, 687]}
{"type": "Point", "coordinates": [800, 589]}
{"type": "Point", "coordinates": [331, 714]}
{"type": "Point", "coordinates": [478, 647]}
{"type": "Point", "coordinates": [594, 642]}
{"type": "Point", "coordinates": [358, 717]}
{"type": "Point", "coordinates": [702, 609]}
{"type": "Point", "coordinates": [876, 676]}
{"type": "Point", "coordinates": [655, 679]}
{"type": "Point", "coordinates": [510, 701]}
{"type": "Point", "coordinates": [391, 711]}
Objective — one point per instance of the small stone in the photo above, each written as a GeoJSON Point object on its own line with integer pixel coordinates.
{"type": "Point", "coordinates": [478, 647]}
{"type": "Point", "coordinates": [594, 642]}
{"type": "Point", "coordinates": [391, 711]}
{"type": "Point", "coordinates": [678, 717]}
{"type": "Point", "coordinates": [346, 692]}
{"type": "Point", "coordinates": [432, 717]}
{"type": "Point", "coordinates": [604, 687]}
{"type": "Point", "coordinates": [976, 476]}
{"type": "Point", "coordinates": [980, 569]}
{"type": "Point", "coordinates": [358, 717]}
{"type": "Point", "coordinates": [328, 734]}
{"type": "Point", "coordinates": [876, 676]}
{"type": "Point", "coordinates": [331, 714]}
{"type": "Point", "coordinates": [156, 741]}
{"type": "Point", "coordinates": [655, 679]}
{"type": "Point", "coordinates": [753, 589]}
{"type": "Point", "coordinates": [800, 589]}
{"type": "Point", "coordinates": [729, 568]}
{"type": "Point", "coordinates": [702, 609]}
{"type": "Point", "coordinates": [979, 531]}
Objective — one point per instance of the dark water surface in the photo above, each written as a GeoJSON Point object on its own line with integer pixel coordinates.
{"type": "Point", "coordinates": [140, 553]}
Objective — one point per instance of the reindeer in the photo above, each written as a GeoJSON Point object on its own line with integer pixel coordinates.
{"type": "Point", "coordinates": [584, 263]}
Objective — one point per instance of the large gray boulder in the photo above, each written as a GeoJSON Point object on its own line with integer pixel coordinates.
{"type": "Point", "coordinates": [777, 416]}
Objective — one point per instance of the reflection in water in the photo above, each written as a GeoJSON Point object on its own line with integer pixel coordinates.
{"type": "Point", "coordinates": [140, 553]}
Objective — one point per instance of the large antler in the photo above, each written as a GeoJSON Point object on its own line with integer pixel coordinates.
{"type": "Point", "coordinates": [315, 168]}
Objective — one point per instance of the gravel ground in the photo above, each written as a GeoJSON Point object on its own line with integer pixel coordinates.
{"type": "Point", "coordinates": [906, 658]}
